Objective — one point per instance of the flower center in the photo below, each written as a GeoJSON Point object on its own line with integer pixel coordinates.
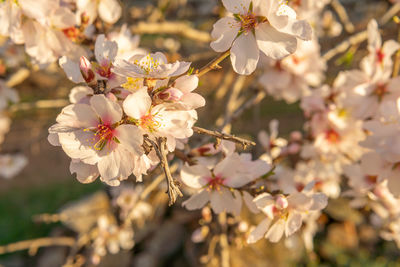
{"type": "Point", "coordinates": [104, 135]}
{"type": "Point", "coordinates": [380, 91]}
{"type": "Point", "coordinates": [132, 84]}
{"type": "Point", "coordinates": [103, 69]}
{"type": "Point", "coordinates": [380, 55]}
{"type": "Point", "coordinates": [215, 183]}
{"type": "Point", "coordinates": [248, 22]}
{"type": "Point", "coordinates": [371, 179]}
{"type": "Point", "coordinates": [149, 123]}
{"type": "Point", "coordinates": [149, 64]}
{"type": "Point", "coordinates": [332, 136]}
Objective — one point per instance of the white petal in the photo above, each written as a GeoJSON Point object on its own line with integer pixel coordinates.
{"type": "Point", "coordinates": [85, 173]}
{"type": "Point", "coordinates": [71, 69]}
{"type": "Point", "coordinates": [197, 201]}
{"type": "Point", "coordinates": [137, 104]}
{"type": "Point", "coordinates": [259, 231]}
{"type": "Point", "coordinates": [273, 43]}
{"type": "Point", "coordinates": [275, 233]}
{"type": "Point", "coordinates": [109, 111]}
{"type": "Point", "coordinates": [131, 138]}
{"type": "Point", "coordinates": [110, 11]}
{"type": "Point", "coordinates": [105, 51]}
{"type": "Point", "coordinates": [293, 223]}
{"type": "Point", "coordinates": [224, 32]}
{"type": "Point", "coordinates": [245, 54]}
{"type": "Point", "coordinates": [237, 6]}
{"type": "Point", "coordinates": [195, 176]}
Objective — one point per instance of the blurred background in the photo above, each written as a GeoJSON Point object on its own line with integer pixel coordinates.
{"type": "Point", "coordinates": [45, 185]}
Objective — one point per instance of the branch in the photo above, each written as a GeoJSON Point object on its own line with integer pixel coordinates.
{"type": "Point", "coordinates": [254, 100]}
{"type": "Point", "coordinates": [54, 103]}
{"type": "Point", "coordinates": [213, 64]}
{"type": "Point", "coordinates": [173, 190]}
{"type": "Point", "coordinates": [344, 18]}
{"type": "Point", "coordinates": [34, 244]}
{"type": "Point", "coordinates": [171, 27]}
{"type": "Point", "coordinates": [361, 36]}
{"type": "Point", "coordinates": [218, 135]}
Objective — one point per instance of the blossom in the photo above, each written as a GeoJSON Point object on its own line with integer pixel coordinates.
{"type": "Point", "coordinates": [219, 185]}
{"type": "Point", "coordinates": [108, 10]}
{"type": "Point", "coordinates": [285, 213]}
{"type": "Point", "coordinates": [270, 26]}
{"type": "Point", "coordinates": [379, 60]}
{"type": "Point", "coordinates": [128, 45]}
{"type": "Point", "coordinates": [163, 120]}
{"type": "Point", "coordinates": [85, 71]}
{"type": "Point", "coordinates": [292, 77]}
{"type": "Point", "coordinates": [153, 66]}
{"type": "Point", "coordinates": [11, 21]}
{"type": "Point", "coordinates": [94, 136]}
{"type": "Point", "coordinates": [11, 165]}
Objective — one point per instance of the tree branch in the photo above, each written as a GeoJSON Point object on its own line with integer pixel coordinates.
{"type": "Point", "coordinates": [213, 64]}
{"type": "Point", "coordinates": [171, 27]}
{"type": "Point", "coordinates": [173, 190]}
{"type": "Point", "coordinates": [34, 244]}
{"type": "Point", "coordinates": [218, 135]}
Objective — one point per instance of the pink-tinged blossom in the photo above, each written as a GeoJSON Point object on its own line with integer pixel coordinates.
{"type": "Point", "coordinates": [269, 25]}
{"type": "Point", "coordinates": [163, 120]}
{"type": "Point", "coordinates": [97, 141]}
{"type": "Point", "coordinates": [220, 185]}
{"type": "Point", "coordinates": [181, 92]}
{"type": "Point", "coordinates": [85, 71]}
{"type": "Point", "coordinates": [379, 60]}
{"type": "Point", "coordinates": [293, 77]}
{"type": "Point", "coordinates": [285, 214]}
{"type": "Point", "coordinates": [150, 66]}
{"type": "Point", "coordinates": [128, 45]}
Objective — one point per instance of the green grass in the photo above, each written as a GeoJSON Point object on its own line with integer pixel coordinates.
{"type": "Point", "coordinates": [18, 205]}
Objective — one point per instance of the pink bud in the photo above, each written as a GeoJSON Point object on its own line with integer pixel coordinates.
{"type": "Point", "coordinates": [86, 70]}
{"type": "Point", "coordinates": [296, 136]}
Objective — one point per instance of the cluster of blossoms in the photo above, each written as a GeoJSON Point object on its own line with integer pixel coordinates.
{"type": "Point", "coordinates": [124, 104]}
{"type": "Point", "coordinates": [130, 109]}
{"type": "Point", "coordinates": [236, 178]}
{"type": "Point", "coordinates": [50, 29]}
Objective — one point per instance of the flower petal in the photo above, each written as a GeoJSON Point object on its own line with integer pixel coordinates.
{"type": "Point", "coordinates": [245, 54]}
{"type": "Point", "coordinates": [224, 32]}
{"type": "Point", "coordinates": [273, 43]}
{"type": "Point", "coordinates": [137, 104]}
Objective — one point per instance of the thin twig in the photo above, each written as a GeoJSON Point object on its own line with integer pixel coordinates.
{"type": "Point", "coordinates": [213, 64]}
{"type": "Point", "coordinates": [223, 240]}
{"type": "Point", "coordinates": [343, 16]}
{"type": "Point", "coordinates": [34, 244]}
{"type": "Point", "coordinates": [396, 66]}
{"type": "Point", "coordinates": [218, 135]}
{"type": "Point", "coordinates": [254, 100]}
{"type": "Point", "coordinates": [173, 190]}
{"type": "Point", "coordinates": [54, 103]}
{"type": "Point", "coordinates": [360, 36]}
{"type": "Point", "coordinates": [171, 27]}
{"type": "Point", "coordinates": [156, 182]}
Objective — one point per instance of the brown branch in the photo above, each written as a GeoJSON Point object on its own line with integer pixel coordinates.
{"type": "Point", "coordinates": [218, 135]}
{"type": "Point", "coordinates": [344, 18]}
{"type": "Point", "coordinates": [360, 36]}
{"type": "Point", "coordinates": [34, 244]}
{"type": "Point", "coordinates": [254, 100]}
{"type": "Point", "coordinates": [213, 64]}
{"type": "Point", "coordinates": [173, 190]}
{"type": "Point", "coordinates": [171, 27]}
